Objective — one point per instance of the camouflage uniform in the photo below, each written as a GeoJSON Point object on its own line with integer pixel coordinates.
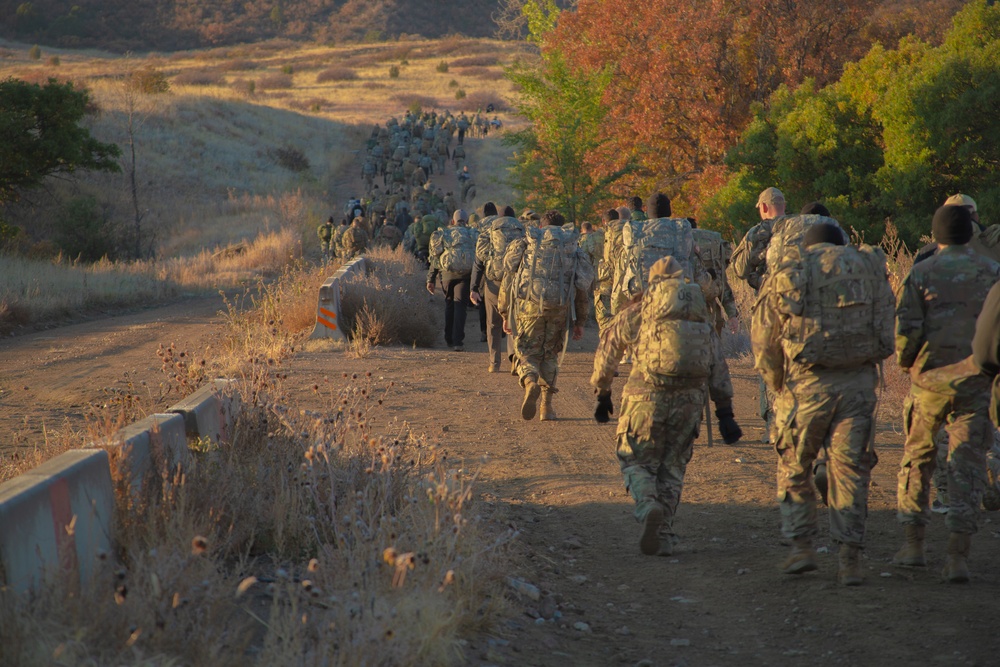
{"type": "Point", "coordinates": [354, 240]}
{"type": "Point", "coordinates": [592, 243]}
{"type": "Point", "coordinates": [658, 422]}
{"type": "Point", "coordinates": [540, 331]}
{"type": "Point", "coordinates": [610, 259]}
{"type": "Point", "coordinates": [325, 234]}
{"type": "Point", "coordinates": [935, 320]}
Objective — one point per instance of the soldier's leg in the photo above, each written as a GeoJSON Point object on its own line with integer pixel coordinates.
{"type": "Point", "coordinates": [494, 324]}
{"type": "Point", "coordinates": [851, 458]}
{"type": "Point", "coordinates": [969, 436]}
{"type": "Point", "coordinates": [676, 423]}
{"type": "Point", "coordinates": [639, 454]}
{"type": "Point", "coordinates": [449, 314]}
{"type": "Point", "coordinates": [528, 346]}
{"type": "Point", "coordinates": [602, 311]}
{"type": "Point", "coordinates": [923, 414]}
{"type": "Point", "coordinates": [460, 295]}
{"type": "Point", "coordinates": [801, 425]}
{"type": "Point", "coordinates": [554, 338]}
{"type": "Point", "coordinates": [940, 477]}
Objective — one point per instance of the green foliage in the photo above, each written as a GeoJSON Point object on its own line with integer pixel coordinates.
{"type": "Point", "coordinates": [393, 71]}
{"type": "Point", "coordinates": [901, 131]}
{"type": "Point", "coordinates": [557, 161]}
{"type": "Point", "coordinates": [287, 69]}
{"type": "Point", "coordinates": [42, 136]}
{"type": "Point", "coordinates": [84, 232]}
{"type": "Point", "coordinates": [415, 108]}
{"type": "Point", "coordinates": [442, 67]}
{"type": "Point", "coordinates": [54, 61]}
{"type": "Point", "coordinates": [460, 94]}
{"type": "Point", "coordinates": [453, 84]}
{"type": "Point", "coordinates": [373, 36]}
{"type": "Point", "coordinates": [35, 52]}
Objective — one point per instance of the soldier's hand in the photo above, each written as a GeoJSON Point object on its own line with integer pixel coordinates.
{"type": "Point", "coordinates": [430, 288]}
{"type": "Point", "coordinates": [475, 298]}
{"type": "Point", "coordinates": [733, 324]}
{"type": "Point", "coordinates": [605, 408]}
{"type": "Point", "coordinates": [506, 328]}
{"type": "Point", "coordinates": [577, 331]}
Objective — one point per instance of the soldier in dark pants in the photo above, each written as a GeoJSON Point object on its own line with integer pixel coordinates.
{"type": "Point", "coordinates": [456, 295]}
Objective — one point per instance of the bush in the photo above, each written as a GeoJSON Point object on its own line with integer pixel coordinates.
{"type": "Point", "coordinates": [411, 100]}
{"type": "Point", "coordinates": [389, 305]}
{"type": "Point", "coordinates": [239, 65]}
{"type": "Point", "coordinates": [245, 87]}
{"type": "Point", "coordinates": [460, 94]}
{"type": "Point", "coordinates": [199, 77]}
{"type": "Point", "coordinates": [150, 81]}
{"type": "Point", "coordinates": [485, 73]}
{"type": "Point", "coordinates": [54, 61]}
{"type": "Point", "coordinates": [393, 71]}
{"type": "Point", "coordinates": [442, 67]}
{"type": "Point", "coordinates": [453, 84]}
{"type": "Point", "coordinates": [481, 99]}
{"type": "Point", "coordinates": [290, 158]}
{"type": "Point", "coordinates": [274, 82]}
{"type": "Point", "coordinates": [84, 231]}
{"type": "Point", "coordinates": [336, 74]}
{"type": "Point", "coordinates": [287, 69]}
{"type": "Point", "coordinates": [35, 52]}
{"type": "Point", "coordinates": [475, 61]}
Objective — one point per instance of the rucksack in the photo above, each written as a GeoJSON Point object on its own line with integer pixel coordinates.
{"type": "Point", "coordinates": [787, 234]}
{"type": "Point", "coordinates": [838, 305]}
{"type": "Point", "coordinates": [550, 266]}
{"type": "Point", "coordinates": [715, 254]}
{"type": "Point", "coordinates": [423, 229]}
{"type": "Point", "coordinates": [646, 241]}
{"type": "Point", "coordinates": [497, 234]}
{"type": "Point", "coordinates": [675, 339]}
{"type": "Point", "coordinates": [455, 249]}
{"type": "Point", "coordinates": [989, 242]}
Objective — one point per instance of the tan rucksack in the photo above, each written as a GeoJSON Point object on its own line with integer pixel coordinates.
{"type": "Point", "coordinates": [551, 267]}
{"type": "Point", "coordinates": [838, 306]}
{"type": "Point", "coordinates": [496, 236]}
{"type": "Point", "coordinates": [715, 253]}
{"type": "Point", "coordinates": [675, 339]}
{"type": "Point", "coordinates": [454, 249]}
{"type": "Point", "coordinates": [787, 234]}
{"type": "Point", "coordinates": [646, 241]}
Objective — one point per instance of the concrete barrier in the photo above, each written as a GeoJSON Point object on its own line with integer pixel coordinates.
{"type": "Point", "coordinates": [163, 433]}
{"type": "Point", "coordinates": [56, 518]}
{"type": "Point", "coordinates": [209, 412]}
{"type": "Point", "coordinates": [328, 313]}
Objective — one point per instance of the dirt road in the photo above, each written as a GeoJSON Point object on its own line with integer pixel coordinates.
{"type": "Point", "coordinates": [720, 599]}
{"type": "Point", "coordinates": [49, 379]}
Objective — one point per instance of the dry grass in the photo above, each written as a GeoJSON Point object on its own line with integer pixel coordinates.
{"type": "Point", "coordinates": [389, 304]}
{"type": "Point", "coordinates": [336, 74]}
{"type": "Point", "coordinates": [311, 536]}
{"type": "Point", "coordinates": [275, 82]}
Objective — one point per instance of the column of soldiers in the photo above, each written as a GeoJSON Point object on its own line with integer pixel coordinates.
{"type": "Point", "coordinates": [406, 207]}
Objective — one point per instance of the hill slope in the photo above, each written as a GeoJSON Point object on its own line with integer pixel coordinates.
{"type": "Point", "coordinates": [143, 25]}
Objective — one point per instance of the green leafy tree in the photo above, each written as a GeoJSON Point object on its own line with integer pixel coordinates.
{"type": "Point", "coordinates": [558, 160]}
{"type": "Point", "coordinates": [41, 136]}
{"type": "Point", "coordinates": [899, 132]}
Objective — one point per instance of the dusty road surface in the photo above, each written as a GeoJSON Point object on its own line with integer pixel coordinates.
{"type": "Point", "coordinates": [49, 379]}
{"type": "Point", "coordinates": [720, 600]}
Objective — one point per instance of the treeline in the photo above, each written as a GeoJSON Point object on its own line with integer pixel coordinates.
{"type": "Point", "coordinates": [700, 102]}
{"type": "Point", "coordinates": [142, 25]}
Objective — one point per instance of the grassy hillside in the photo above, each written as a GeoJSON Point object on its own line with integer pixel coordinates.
{"type": "Point", "coordinates": [122, 25]}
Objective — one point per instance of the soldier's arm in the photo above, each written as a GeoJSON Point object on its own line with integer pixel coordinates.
{"type": "Point", "coordinates": [741, 257]}
{"type": "Point", "coordinates": [986, 343]}
{"type": "Point", "coordinates": [765, 328]}
{"type": "Point", "coordinates": [909, 322]}
{"type": "Point", "coordinates": [622, 332]}
{"type": "Point", "coordinates": [704, 279]}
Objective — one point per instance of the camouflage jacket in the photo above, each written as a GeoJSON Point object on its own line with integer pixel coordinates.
{"type": "Point", "coordinates": [507, 301]}
{"type": "Point", "coordinates": [937, 307]}
{"type": "Point", "coordinates": [592, 243]}
{"type": "Point", "coordinates": [749, 259]}
{"type": "Point", "coordinates": [354, 240]}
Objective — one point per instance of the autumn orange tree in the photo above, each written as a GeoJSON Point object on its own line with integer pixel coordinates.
{"type": "Point", "coordinates": [687, 74]}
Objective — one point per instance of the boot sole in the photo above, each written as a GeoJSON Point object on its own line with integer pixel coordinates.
{"type": "Point", "coordinates": [649, 543]}
{"type": "Point", "coordinates": [801, 567]}
{"type": "Point", "coordinates": [850, 581]}
{"type": "Point", "coordinates": [530, 404]}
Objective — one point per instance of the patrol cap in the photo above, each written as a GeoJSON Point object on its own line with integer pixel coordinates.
{"type": "Point", "coordinates": [528, 214]}
{"type": "Point", "coordinates": [961, 200]}
{"type": "Point", "coordinates": [624, 213]}
{"type": "Point", "coordinates": [460, 216]}
{"type": "Point", "coordinates": [770, 196]}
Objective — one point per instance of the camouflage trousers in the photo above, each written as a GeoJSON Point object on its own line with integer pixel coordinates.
{"type": "Point", "coordinates": [655, 435]}
{"type": "Point", "coordinates": [720, 383]}
{"type": "Point", "coordinates": [964, 415]}
{"type": "Point", "coordinates": [835, 409]}
{"type": "Point", "coordinates": [602, 311]}
{"type": "Point", "coordinates": [539, 342]}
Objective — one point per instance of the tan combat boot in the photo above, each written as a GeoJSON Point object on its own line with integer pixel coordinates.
{"type": "Point", "coordinates": [530, 404]}
{"type": "Point", "coordinates": [547, 414]}
{"type": "Point", "coordinates": [850, 573]}
{"type": "Point", "coordinates": [649, 542]}
{"type": "Point", "coordinates": [956, 568]}
{"type": "Point", "coordinates": [802, 559]}
{"type": "Point", "coordinates": [912, 552]}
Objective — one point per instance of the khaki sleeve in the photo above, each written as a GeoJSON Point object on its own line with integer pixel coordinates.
{"type": "Point", "coordinates": [909, 322]}
{"type": "Point", "coordinates": [765, 327]}
{"type": "Point", "coordinates": [622, 332]}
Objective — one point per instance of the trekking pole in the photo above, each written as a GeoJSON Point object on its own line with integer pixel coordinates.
{"type": "Point", "coordinates": [708, 419]}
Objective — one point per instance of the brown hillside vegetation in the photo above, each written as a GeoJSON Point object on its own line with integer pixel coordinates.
{"type": "Point", "coordinates": [119, 25]}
